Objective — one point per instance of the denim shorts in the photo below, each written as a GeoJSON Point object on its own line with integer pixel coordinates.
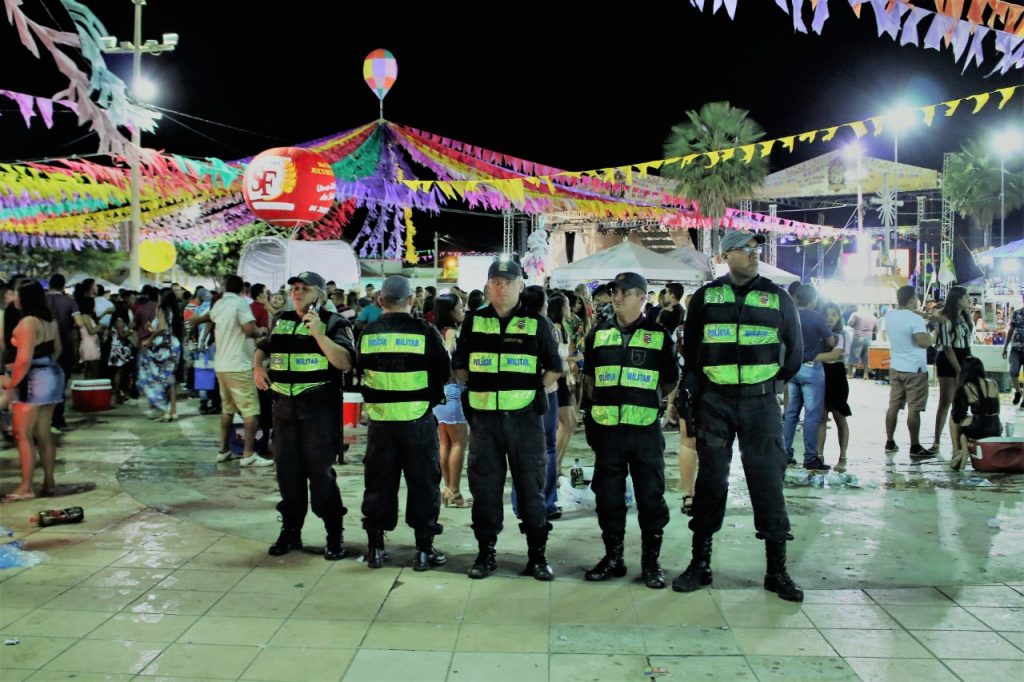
{"type": "Point", "coordinates": [44, 384]}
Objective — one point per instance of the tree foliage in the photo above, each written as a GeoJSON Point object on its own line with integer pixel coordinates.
{"type": "Point", "coordinates": [716, 127]}
{"type": "Point", "coordinates": [972, 186]}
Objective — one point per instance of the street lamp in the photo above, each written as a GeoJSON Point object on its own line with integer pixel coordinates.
{"type": "Point", "coordinates": [899, 119]}
{"type": "Point", "coordinates": [1004, 143]}
{"type": "Point", "coordinates": [110, 45]}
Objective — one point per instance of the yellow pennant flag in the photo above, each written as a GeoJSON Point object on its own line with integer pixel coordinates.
{"type": "Point", "coordinates": [859, 129]}
{"type": "Point", "coordinates": [766, 148]}
{"type": "Point", "coordinates": [829, 133]}
{"type": "Point", "coordinates": [929, 114]}
{"type": "Point", "coordinates": [787, 142]}
{"type": "Point", "coordinates": [713, 158]}
{"type": "Point", "coordinates": [951, 106]}
{"type": "Point", "coordinates": [979, 101]}
{"type": "Point", "coordinates": [808, 136]}
{"type": "Point", "coordinates": [1006, 94]}
{"type": "Point", "coordinates": [727, 154]}
{"type": "Point", "coordinates": [879, 123]}
{"type": "Point", "coordinates": [687, 160]}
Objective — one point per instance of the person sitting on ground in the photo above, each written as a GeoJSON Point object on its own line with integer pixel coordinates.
{"type": "Point", "coordinates": [975, 409]}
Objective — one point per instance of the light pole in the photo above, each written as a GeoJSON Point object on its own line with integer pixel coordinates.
{"type": "Point", "coordinates": [899, 119]}
{"type": "Point", "coordinates": [135, 47]}
{"type": "Point", "coordinates": [1006, 142]}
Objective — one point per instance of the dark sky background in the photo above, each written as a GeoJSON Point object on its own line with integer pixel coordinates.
{"type": "Point", "coordinates": [564, 84]}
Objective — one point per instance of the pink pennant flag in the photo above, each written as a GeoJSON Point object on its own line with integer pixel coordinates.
{"type": "Point", "coordinates": [45, 107]}
{"type": "Point", "coordinates": [26, 104]}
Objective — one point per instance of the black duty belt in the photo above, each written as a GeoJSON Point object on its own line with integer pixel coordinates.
{"type": "Point", "coordinates": [771, 387]}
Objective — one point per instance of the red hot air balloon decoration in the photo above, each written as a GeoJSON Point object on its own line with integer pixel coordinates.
{"type": "Point", "coordinates": [289, 186]}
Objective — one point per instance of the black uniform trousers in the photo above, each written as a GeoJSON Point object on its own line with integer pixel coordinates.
{"type": "Point", "coordinates": [637, 451]}
{"type": "Point", "coordinates": [519, 436]}
{"type": "Point", "coordinates": [394, 448]}
{"type": "Point", "coordinates": [757, 422]}
{"type": "Point", "coordinates": [305, 445]}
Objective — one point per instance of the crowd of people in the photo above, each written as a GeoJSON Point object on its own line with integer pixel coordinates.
{"type": "Point", "coordinates": [501, 377]}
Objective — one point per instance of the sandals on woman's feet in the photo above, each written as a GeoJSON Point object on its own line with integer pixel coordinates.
{"type": "Point", "coordinates": [687, 506]}
{"type": "Point", "coordinates": [459, 502]}
{"type": "Point", "coordinates": [958, 460]}
{"type": "Point", "coordinates": [840, 466]}
{"type": "Point", "coordinates": [17, 497]}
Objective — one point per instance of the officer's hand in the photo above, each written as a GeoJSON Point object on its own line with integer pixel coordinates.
{"type": "Point", "coordinates": [261, 377]}
{"type": "Point", "coordinates": [312, 322]}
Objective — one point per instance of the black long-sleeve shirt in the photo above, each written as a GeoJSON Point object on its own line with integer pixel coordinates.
{"type": "Point", "coordinates": [789, 335]}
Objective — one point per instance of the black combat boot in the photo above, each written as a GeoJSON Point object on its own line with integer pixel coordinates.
{"type": "Point", "coordinates": [375, 555]}
{"type": "Point", "coordinates": [426, 556]}
{"type": "Point", "coordinates": [537, 562]}
{"type": "Point", "coordinates": [698, 573]}
{"type": "Point", "coordinates": [335, 548]}
{"type": "Point", "coordinates": [776, 579]}
{"type": "Point", "coordinates": [650, 567]}
{"type": "Point", "coordinates": [289, 539]}
{"type": "Point", "coordinates": [611, 565]}
{"type": "Point", "coordinates": [486, 562]}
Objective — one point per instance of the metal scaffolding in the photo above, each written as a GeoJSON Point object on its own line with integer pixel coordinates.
{"type": "Point", "coordinates": [946, 242]}
{"type": "Point", "coordinates": [508, 244]}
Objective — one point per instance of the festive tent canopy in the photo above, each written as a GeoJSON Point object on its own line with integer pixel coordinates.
{"type": "Point", "coordinates": [833, 174]}
{"type": "Point", "coordinates": [695, 259]}
{"type": "Point", "coordinates": [271, 260]}
{"type": "Point", "coordinates": [692, 258]}
{"type": "Point", "coordinates": [1011, 250]}
{"type": "Point", "coordinates": [777, 275]}
{"type": "Point", "coordinates": [626, 257]}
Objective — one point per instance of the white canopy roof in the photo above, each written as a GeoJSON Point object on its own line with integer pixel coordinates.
{"type": "Point", "coordinates": [272, 260]}
{"type": "Point", "coordinates": [777, 275]}
{"type": "Point", "coordinates": [694, 258]}
{"type": "Point", "coordinates": [625, 257]}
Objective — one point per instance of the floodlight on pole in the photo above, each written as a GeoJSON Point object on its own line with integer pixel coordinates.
{"type": "Point", "coordinates": [1004, 143]}
{"type": "Point", "coordinates": [898, 119]}
{"type": "Point", "coordinates": [136, 47]}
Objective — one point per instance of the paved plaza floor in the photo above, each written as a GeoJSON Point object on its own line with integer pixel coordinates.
{"type": "Point", "coordinates": [917, 573]}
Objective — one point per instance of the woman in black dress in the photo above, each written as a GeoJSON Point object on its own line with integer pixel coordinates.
{"type": "Point", "coordinates": [837, 389]}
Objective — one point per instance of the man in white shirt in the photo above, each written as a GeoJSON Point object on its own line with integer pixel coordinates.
{"type": "Point", "coordinates": [236, 332]}
{"type": "Point", "coordinates": [908, 371]}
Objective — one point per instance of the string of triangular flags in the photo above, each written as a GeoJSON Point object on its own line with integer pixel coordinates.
{"type": "Point", "coordinates": [963, 25]}
{"type": "Point", "coordinates": [746, 153]}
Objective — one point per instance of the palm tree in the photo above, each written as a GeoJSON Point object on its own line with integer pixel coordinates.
{"type": "Point", "coordinates": [716, 127]}
{"type": "Point", "coordinates": [972, 186]}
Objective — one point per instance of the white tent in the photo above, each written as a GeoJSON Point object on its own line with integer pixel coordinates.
{"type": "Point", "coordinates": [272, 260]}
{"type": "Point", "coordinates": [777, 275]}
{"type": "Point", "coordinates": [625, 257]}
{"type": "Point", "coordinates": [694, 258]}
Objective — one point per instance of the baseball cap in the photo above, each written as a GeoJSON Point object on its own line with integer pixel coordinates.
{"type": "Point", "coordinates": [396, 288]}
{"type": "Point", "coordinates": [309, 278]}
{"type": "Point", "coordinates": [629, 280]}
{"type": "Point", "coordinates": [734, 239]}
{"type": "Point", "coordinates": [505, 269]}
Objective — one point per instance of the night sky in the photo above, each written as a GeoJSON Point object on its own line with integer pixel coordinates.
{"type": "Point", "coordinates": [562, 84]}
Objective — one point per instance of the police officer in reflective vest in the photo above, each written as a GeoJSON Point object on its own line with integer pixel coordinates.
{"type": "Point", "coordinates": [629, 366]}
{"type": "Point", "coordinates": [506, 356]}
{"type": "Point", "coordinates": [741, 343]}
{"type": "Point", "coordinates": [308, 348]}
{"type": "Point", "coordinates": [404, 367]}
